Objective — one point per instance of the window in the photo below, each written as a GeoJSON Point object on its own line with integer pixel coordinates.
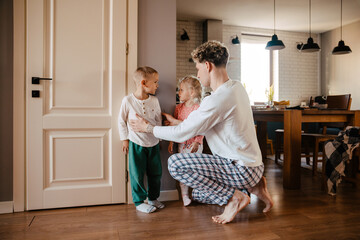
{"type": "Point", "coordinates": [258, 67]}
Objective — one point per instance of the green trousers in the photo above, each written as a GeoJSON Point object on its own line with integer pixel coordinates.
{"type": "Point", "coordinates": [144, 160]}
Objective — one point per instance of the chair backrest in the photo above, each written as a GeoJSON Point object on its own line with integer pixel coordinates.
{"type": "Point", "coordinates": [342, 102]}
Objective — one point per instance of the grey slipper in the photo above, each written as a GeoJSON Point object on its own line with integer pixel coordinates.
{"type": "Point", "coordinates": [156, 203]}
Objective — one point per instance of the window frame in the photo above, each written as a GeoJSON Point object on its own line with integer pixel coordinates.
{"type": "Point", "coordinates": [273, 61]}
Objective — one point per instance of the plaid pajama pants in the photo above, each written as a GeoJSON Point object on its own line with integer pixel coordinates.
{"type": "Point", "coordinates": [214, 179]}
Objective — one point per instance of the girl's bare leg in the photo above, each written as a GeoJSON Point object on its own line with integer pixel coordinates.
{"type": "Point", "coordinates": [185, 194]}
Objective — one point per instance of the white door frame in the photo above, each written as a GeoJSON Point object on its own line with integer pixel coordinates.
{"type": "Point", "coordinates": [19, 90]}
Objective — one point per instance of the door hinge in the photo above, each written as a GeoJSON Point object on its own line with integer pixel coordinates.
{"type": "Point", "coordinates": [127, 48]}
{"type": "Point", "coordinates": [126, 176]}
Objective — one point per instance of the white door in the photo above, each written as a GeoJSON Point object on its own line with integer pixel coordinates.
{"type": "Point", "coordinates": [74, 153]}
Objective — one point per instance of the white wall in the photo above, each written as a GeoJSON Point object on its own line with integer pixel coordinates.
{"type": "Point", "coordinates": [341, 73]}
{"type": "Point", "coordinates": [298, 72]}
{"type": "Point", "coordinates": [157, 48]}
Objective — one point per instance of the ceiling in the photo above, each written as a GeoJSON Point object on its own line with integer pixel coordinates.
{"type": "Point", "coordinates": [291, 15]}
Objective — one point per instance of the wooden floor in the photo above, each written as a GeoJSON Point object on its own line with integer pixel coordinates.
{"type": "Point", "coordinates": [308, 213]}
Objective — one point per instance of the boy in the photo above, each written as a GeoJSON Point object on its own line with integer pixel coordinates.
{"type": "Point", "coordinates": [143, 148]}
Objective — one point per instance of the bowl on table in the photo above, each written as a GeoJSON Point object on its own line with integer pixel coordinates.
{"type": "Point", "coordinates": [280, 107]}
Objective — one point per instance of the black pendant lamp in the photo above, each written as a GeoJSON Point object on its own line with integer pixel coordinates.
{"type": "Point", "coordinates": [310, 46]}
{"type": "Point", "coordinates": [275, 43]}
{"type": "Point", "coordinates": [341, 48]}
{"type": "Point", "coordinates": [235, 40]}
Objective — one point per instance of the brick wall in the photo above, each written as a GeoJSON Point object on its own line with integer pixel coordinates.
{"type": "Point", "coordinates": [298, 72]}
{"type": "Point", "coordinates": [184, 48]}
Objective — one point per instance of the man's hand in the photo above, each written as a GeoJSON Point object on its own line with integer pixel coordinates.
{"type": "Point", "coordinates": [194, 147]}
{"type": "Point", "coordinates": [139, 124]}
{"type": "Point", "coordinates": [125, 146]}
{"type": "Point", "coordinates": [170, 120]}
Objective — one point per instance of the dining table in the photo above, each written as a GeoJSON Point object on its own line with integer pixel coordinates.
{"type": "Point", "coordinates": [293, 119]}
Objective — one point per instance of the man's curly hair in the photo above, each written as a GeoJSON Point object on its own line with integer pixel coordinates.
{"type": "Point", "coordinates": [213, 52]}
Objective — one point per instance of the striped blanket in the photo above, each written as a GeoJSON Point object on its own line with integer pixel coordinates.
{"type": "Point", "coordinates": [337, 152]}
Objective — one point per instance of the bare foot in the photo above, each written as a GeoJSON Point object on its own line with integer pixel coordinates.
{"type": "Point", "coordinates": [260, 190]}
{"type": "Point", "coordinates": [236, 203]}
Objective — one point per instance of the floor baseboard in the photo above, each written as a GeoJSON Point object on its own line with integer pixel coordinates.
{"type": "Point", "coordinates": [6, 207]}
{"type": "Point", "coordinates": [166, 195]}
{"type": "Point", "coordinates": [169, 195]}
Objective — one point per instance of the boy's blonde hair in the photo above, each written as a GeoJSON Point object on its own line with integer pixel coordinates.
{"type": "Point", "coordinates": [143, 73]}
{"type": "Point", "coordinates": [193, 82]}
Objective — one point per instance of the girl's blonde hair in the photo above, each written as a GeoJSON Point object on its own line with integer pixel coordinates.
{"type": "Point", "coordinates": [193, 83]}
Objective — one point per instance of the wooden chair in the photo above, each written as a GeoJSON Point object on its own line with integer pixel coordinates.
{"type": "Point", "coordinates": [334, 102]}
{"type": "Point", "coordinates": [337, 102]}
{"type": "Point", "coordinates": [279, 137]}
{"type": "Point", "coordinates": [316, 139]}
{"type": "Point", "coordinates": [268, 142]}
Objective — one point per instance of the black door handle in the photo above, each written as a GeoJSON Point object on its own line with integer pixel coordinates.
{"type": "Point", "coordinates": [36, 80]}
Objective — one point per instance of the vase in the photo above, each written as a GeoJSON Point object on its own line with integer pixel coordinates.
{"type": "Point", "coordinates": [271, 103]}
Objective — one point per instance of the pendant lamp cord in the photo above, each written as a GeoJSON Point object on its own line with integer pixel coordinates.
{"type": "Point", "coordinates": [310, 17]}
{"type": "Point", "coordinates": [341, 22]}
{"type": "Point", "coordinates": [274, 16]}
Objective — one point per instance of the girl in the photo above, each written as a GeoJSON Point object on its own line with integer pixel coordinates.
{"type": "Point", "coordinates": [190, 95]}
